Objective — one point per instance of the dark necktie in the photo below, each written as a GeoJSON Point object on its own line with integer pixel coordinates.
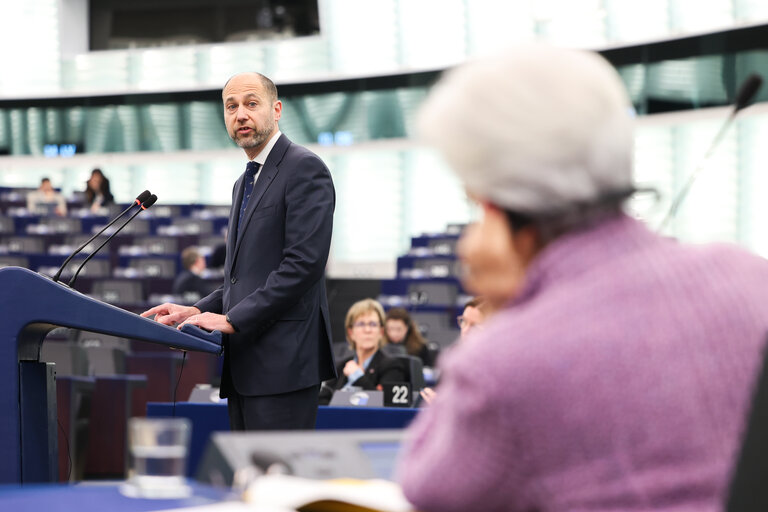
{"type": "Point", "coordinates": [250, 173]}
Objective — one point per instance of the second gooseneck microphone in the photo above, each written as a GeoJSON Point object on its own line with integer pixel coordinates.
{"type": "Point", "coordinates": [745, 95]}
{"type": "Point", "coordinates": [138, 201]}
{"type": "Point", "coordinates": [144, 205]}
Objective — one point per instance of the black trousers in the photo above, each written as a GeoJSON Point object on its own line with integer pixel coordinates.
{"type": "Point", "coordinates": [295, 410]}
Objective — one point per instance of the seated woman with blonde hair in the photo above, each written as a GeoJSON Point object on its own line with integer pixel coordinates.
{"type": "Point", "coordinates": [368, 368]}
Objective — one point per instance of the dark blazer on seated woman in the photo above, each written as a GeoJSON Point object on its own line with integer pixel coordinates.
{"type": "Point", "coordinates": [381, 369]}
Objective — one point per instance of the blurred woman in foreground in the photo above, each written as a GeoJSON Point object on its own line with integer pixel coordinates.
{"type": "Point", "coordinates": [616, 371]}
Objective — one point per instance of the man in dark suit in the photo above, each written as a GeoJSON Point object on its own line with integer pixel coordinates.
{"type": "Point", "coordinates": [272, 305]}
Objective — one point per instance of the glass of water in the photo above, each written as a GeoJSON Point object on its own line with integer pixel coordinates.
{"type": "Point", "coordinates": [158, 458]}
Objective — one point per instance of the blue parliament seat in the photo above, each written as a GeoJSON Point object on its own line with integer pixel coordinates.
{"type": "Point", "coordinates": [157, 244]}
{"type": "Point", "coordinates": [152, 266]}
{"type": "Point", "coordinates": [24, 244]}
{"type": "Point", "coordinates": [167, 210]}
{"type": "Point", "coordinates": [189, 226]}
{"type": "Point", "coordinates": [67, 225]}
{"type": "Point", "coordinates": [119, 291]}
{"type": "Point", "coordinates": [137, 226]}
{"type": "Point", "coordinates": [7, 226]}
{"type": "Point", "coordinates": [428, 265]}
{"type": "Point", "coordinates": [13, 261]}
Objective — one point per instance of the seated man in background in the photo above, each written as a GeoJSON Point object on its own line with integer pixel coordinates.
{"type": "Point", "coordinates": [46, 200]}
{"type": "Point", "coordinates": [369, 367]}
{"type": "Point", "coordinates": [617, 369]}
{"type": "Point", "coordinates": [474, 314]}
{"type": "Point", "coordinates": [189, 281]}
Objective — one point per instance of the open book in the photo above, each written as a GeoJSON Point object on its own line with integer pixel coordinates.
{"type": "Point", "coordinates": [342, 495]}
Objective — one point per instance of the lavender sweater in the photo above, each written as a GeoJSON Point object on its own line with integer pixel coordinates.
{"type": "Point", "coordinates": [619, 380]}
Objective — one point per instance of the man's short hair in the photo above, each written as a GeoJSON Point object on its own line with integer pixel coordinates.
{"type": "Point", "coordinates": [477, 303]}
{"type": "Point", "coordinates": [266, 82]}
{"type": "Point", "coordinates": [189, 256]}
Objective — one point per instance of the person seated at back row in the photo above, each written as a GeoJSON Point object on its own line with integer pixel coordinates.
{"type": "Point", "coordinates": [97, 191]}
{"type": "Point", "coordinates": [403, 333]}
{"type": "Point", "coordinates": [369, 367]}
{"type": "Point", "coordinates": [190, 281]}
{"type": "Point", "coordinates": [475, 312]}
{"type": "Point", "coordinates": [45, 197]}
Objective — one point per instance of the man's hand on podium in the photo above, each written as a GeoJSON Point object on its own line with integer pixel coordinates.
{"type": "Point", "coordinates": [174, 314]}
{"type": "Point", "coordinates": [210, 322]}
{"type": "Point", "coordinates": [171, 314]}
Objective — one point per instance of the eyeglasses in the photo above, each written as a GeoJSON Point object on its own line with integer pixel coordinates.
{"type": "Point", "coordinates": [363, 325]}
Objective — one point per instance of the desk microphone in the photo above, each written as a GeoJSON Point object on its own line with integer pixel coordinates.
{"type": "Point", "coordinates": [139, 200]}
{"type": "Point", "coordinates": [144, 205]}
{"type": "Point", "coordinates": [745, 95]}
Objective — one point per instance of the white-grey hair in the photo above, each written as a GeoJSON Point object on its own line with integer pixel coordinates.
{"type": "Point", "coordinates": [535, 129]}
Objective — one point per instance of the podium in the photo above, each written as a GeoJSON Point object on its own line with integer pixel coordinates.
{"type": "Point", "coordinates": [32, 305]}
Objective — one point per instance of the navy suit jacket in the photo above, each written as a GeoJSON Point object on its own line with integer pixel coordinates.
{"type": "Point", "coordinates": [274, 286]}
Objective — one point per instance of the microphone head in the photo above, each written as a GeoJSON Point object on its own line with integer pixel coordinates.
{"type": "Point", "coordinates": [143, 197]}
{"type": "Point", "coordinates": [747, 91]}
{"type": "Point", "coordinates": [149, 202]}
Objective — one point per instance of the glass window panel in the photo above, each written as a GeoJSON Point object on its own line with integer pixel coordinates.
{"type": "Point", "coordinates": [432, 33]}
{"type": "Point", "coordinates": [492, 24]}
{"type": "Point", "coordinates": [636, 21]}
{"type": "Point", "coordinates": [694, 16]}
{"type": "Point", "coordinates": [753, 153]}
{"type": "Point", "coordinates": [217, 177]}
{"type": "Point", "coordinates": [362, 36]}
{"type": "Point", "coordinates": [434, 197]}
{"type": "Point", "coordinates": [172, 182]}
{"type": "Point", "coordinates": [29, 36]}
{"type": "Point", "coordinates": [221, 62]}
{"type": "Point", "coordinates": [368, 218]}
{"type": "Point", "coordinates": [571, 22]}
{"type": "Point", "coordinates": [653, 169]}
{"type": "Point", "coordinates": [297, 58]}
{"type": "Point", "coordinates": [163, 69]}
{"type": "Point", "coordinates": [206, 128]}
{"type": "Point", "coordinates": [372, 36]}
{"type": "Point", "coordinates": [700, 81]}
{"type": "Point", "coordinates": [710, 209]}
{"type": "Point", "coordinates": [746, 10]}
{"type": "Point", "coordinates": [97, 71]}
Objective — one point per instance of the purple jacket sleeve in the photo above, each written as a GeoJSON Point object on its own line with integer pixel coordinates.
{"type": "Point", "coordinates": [458, 449]}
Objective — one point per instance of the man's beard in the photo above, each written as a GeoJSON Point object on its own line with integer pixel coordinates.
{"type": "Point", "coordinates": [256, 139]}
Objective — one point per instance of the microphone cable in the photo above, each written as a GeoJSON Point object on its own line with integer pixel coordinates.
{"type": "Point", "coordinates": [176, 388]}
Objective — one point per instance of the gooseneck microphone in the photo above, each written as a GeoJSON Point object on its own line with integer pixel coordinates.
{"type": "Point", "coordinates": [138, 201]}
{"type": "Point", "coordinates": [746, 94]}
{"type": "Point", "coordinates": [144, 205]}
